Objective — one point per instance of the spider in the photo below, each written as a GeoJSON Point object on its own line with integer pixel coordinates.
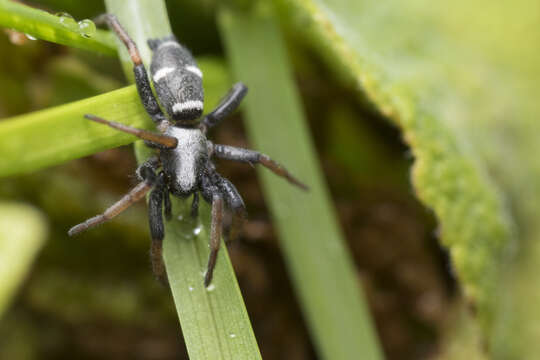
{"type": "Point", "coordinates": [182, 166]}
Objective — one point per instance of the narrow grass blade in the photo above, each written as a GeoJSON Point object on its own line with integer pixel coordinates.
{"type": "Point", "coordinates": [318, 261]}
{"type": "Point", "coordinates": [214, 321]}
{"type": "Point", "coordinates": [22, 233]}
{"type": "Point", "coordinates": [49, 137]}
{"type": "Point", "coordinates": [53, 136]}
{"type": "Point", "coordinates": [42, 25]}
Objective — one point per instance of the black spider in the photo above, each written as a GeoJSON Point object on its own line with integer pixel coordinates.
{"type": "Point", "coordinates": [184, 153]}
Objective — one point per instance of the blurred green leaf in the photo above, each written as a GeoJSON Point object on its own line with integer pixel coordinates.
{"type": "Point", "coordinates": [22, 233]}
{"type": "Point", "coordinates": [320, 265]}
{"type": "Point", "coordinates": [393, 54]}
{"type": "Point", "coordinates": [462, 83]}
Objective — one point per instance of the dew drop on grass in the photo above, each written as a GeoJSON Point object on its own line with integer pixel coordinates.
{"type": "Point", "coordinates": [68, 21]}
{"type": "Point", "coordinates": [232, 336]}
{"type": "Point", "coordinates": [30, 37]}
{"type": "Point", "coordinates": [197, 230]}
{"type": "Point", "coordinates": [87, 28]}
{"type": "Point", "coordinates": [211, 287]}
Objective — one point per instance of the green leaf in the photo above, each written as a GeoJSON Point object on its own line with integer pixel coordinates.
{"type": "Point", "coordinates": [320, 265]}
{"type": "Point", "coordinates": [463, 87]}
{"type": "Point", "coordinates": [22, 233]}
{"type": "Point", "coordinates": [53, 136]}
{"type": "Point", "coordinates": [403, 67]}
{"type": "Point", "coordinates": [61, 30]}
{"type": "Point", "coordinates": [214, 321]}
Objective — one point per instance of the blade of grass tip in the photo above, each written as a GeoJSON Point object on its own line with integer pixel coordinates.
{"type": "Point", "coordinates": [322, 270]}
{"type": "Point", "coordinates": [58, 29]}
{"type": "Point", "coordinates": [22, 233]}
{"type": "Point", "coordinates": [214, 321]}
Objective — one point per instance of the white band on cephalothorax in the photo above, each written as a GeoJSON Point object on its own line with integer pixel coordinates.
{"type": "Point", "coordinates": [194, 69]}
{"type": "Point", "coordinates": [169, 43]}
{"type": "Point", "coordinates": [188, 105]}
{"type": "Point", "coordinates": [161, 73]}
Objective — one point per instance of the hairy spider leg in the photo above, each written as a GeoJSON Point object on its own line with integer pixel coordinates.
{"type": "Point", "coordinates": [134, 195]}
{"type": "Point", "coordinates": [227, 105]}
{"type": "Point", "coordinates": [236, 204]}
{"type": "Point", "coordinates": [215, 236]}
{"type": "Point", "coordinates": [211, 193]}
{"type": "Point", "coordinates": [157, 230]}
{"type": "Point", "coordinates": [141, 77]}
{"type": "Point", "coordinates": [167, 204]}
{"type": "Point", "coordinates": [195, 205]}
{"type": "Point", "coordinates": [255, 157]}
{"type": "Point", "coordinates": [146, 174]}
{"type": "Point", "coordinates": [168, 142]}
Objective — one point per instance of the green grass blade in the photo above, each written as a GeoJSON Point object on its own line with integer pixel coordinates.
{"type": "Point", "coordinates": [318, 261]}
{"type": "Point", "coordinates": [22, 233]}
{"type": "Point", "coordinates": [214, 321]}
{"type": "Point", "coordinates": [53, 136]}
{"type": "Point", "coordinates": [42, 25]}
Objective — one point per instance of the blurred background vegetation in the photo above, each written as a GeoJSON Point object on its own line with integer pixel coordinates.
{"type": "Point", "coordinates": [450, 91]}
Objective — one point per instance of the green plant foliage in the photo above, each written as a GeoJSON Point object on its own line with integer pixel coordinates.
{"type": "Point", "coordinates": [22, 233]}
{"type": "Point", "coordinates": [402, 76]}
{"type": "Point", "coordinates": [61, 29]}
{"type": "Point", "coordinates": [462, 84]}
{"type": "Point", "coordinates": [318, 261]}
{"type": "Point", "coordinates": [60, 134]}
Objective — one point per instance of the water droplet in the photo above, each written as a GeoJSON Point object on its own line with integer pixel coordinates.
{"type": "Point", "coordinates": [180, 217]}
{"type": "Point", "coordinates": [197, 230]}
{"type": "Point", "coordinates": [68, 21]}
{"type": "Point", "coordinates": [30, 37]}
{"type": "Point", "coordinates": [232, 336]}
{"type": "Point", "coordinates": [87, 28]}
{"type": "Point", "coordinates": [211, 287]}
{"type": "Point", "coordinates": [190, 288]}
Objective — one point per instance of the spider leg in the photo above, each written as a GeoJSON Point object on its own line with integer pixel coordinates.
{"type": "Point", "coordinates": [236, 204]}
{"type": "Point", "coordinates": [146, 174]}
{"type": "Point", "coordinates": [195, 205]}
{"type": "Point", "coordinates": [255, 157]}
{"type": "Point", "coordinates": [227, 105]}
{"type": "Point", "coordinates": [146, 171]}
{"type": "Point", "coordinates": [141, 78]}
{"type": "Point", "coordinates": [126, 201]}
{"type": "Point", "coordinates": [167, 203]}
{"type": "Point", "coordinates": [157, 230]}
{"type": "Point", "coordinates": [168, 142]}
{"type": "Point", "coordinates": [211, 194]}
{"type": "Point", "coordinates": [215, 236]}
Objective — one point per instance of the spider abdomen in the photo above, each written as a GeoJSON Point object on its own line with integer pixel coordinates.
{"type": "Point", "coordinates": [177, 80]}
{"type": "Point", "coordinates": [183, 163]}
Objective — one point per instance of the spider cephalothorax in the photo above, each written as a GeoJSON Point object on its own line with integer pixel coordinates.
{"type": "Point", "coordinates": [182, 167]}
